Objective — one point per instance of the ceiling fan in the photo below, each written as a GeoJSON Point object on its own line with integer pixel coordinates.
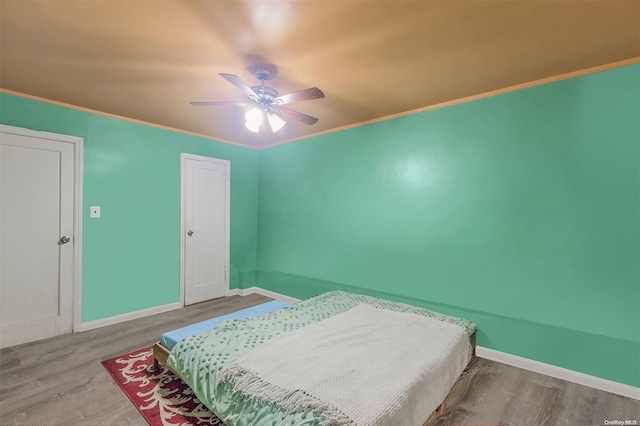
{"type": "Point", "coordinates": [265, 102]}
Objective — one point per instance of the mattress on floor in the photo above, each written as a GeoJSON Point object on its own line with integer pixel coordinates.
{"type": "Point", "coordinates": [201, 359]}
{"type": "Point", "coordinates": [170, 338]}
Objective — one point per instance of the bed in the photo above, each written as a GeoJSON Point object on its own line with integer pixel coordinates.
{"type": "Point", "coordinates": [334, 359]}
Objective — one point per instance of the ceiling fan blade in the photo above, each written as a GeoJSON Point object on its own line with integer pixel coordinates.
{"type": "Point", "coordinates": [295, 115]}
{"type": "Point", "coordinates": [236, 81]}
{"type": "Point", "coordinates": [301, 95]}
{"type": "Point", "coordinates": [247, 104]}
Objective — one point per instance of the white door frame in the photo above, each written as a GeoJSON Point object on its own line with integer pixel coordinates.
{"type": "Point", "coordinates": [183, 208]}
{"type": "Point", "coordinates": [78, 144]}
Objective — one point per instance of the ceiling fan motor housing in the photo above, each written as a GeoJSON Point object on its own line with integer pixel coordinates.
{"type": "Point", "coordinates": [265, 92]}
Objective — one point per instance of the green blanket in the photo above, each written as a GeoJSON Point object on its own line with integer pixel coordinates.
{"type": "Point", "coordinates": [201, 358]}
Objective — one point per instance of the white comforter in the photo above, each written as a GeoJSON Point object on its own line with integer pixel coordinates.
{"type": "Point", "coordinates": [365, 366]}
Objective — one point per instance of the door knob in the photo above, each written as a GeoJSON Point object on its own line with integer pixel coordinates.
{"type": "Point", "coordinates": [64, 240]}
{"type": "Point", "coordinates": [189, 232]}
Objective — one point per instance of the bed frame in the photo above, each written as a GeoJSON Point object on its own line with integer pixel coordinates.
{"type": "Point", "coordinates": [161, 354]}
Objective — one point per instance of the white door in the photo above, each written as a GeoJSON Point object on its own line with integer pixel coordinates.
{"type": "Point", "coordinates": [205, 227]}
{"type": "Point", "coordinates": [36, 236]}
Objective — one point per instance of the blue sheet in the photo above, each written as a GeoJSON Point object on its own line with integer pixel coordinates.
{"type": "Point", "coordinates": [170, 338]}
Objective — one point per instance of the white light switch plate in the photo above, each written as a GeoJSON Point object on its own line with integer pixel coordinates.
{"type": "Point", "coordinates": [94, 212]}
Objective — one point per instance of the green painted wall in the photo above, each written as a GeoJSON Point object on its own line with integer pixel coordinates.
{"type": "Point", "coordinates": [131, 256]}
{"type": "Point", "coordinates": [519, 211]}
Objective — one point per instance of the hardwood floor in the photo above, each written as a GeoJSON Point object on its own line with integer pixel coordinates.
{"type": "Point", "coordinates": [493, 393]}
{"type": "Point", "coordinates": [60, 381]}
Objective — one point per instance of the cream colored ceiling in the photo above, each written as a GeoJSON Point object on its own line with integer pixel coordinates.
{"type": "Point", "coordinates": [146, 60]}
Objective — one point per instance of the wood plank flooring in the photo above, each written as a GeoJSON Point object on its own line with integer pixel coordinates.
{"type": "Point", "coordinates": [60, 381]}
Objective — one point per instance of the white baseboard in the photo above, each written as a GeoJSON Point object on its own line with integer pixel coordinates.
{"type": "Point", "coordinates": [268, 293]}
{"type": "Point", "coordinates": [559, 372]}
{"type": "Point", "coordinates": [103, 322]}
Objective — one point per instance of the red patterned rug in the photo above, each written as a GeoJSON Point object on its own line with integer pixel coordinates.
{"type": "Point", "coordinates": [161, 397]}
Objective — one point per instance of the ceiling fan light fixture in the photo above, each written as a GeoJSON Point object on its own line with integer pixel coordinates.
{"type": "Point", "coordinates": [254, 120]}
{"type": "Point", "coordinates": [275, 122]}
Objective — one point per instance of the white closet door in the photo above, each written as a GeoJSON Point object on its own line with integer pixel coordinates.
{"type": "Point", "coordinates": [36, 238]}
{"type": "Point", "coordinates": [205, 228]}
